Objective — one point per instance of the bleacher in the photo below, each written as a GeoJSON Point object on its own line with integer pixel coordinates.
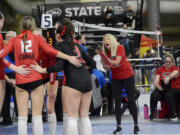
{"type": "Point", "coordinates": [94, 36]}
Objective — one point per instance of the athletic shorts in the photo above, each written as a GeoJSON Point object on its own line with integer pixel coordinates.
{"type": "Point", "coordinates": [51, 79]}
{"type": "Point", "coordinates": [83, 87]}
{"type": "Point", "coordinates": [30, 86]}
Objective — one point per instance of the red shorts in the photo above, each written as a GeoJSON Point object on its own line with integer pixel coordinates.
{"type": "Point", "coordinates": [52, 78]}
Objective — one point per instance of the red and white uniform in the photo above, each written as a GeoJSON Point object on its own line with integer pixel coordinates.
{"type": "Point", "coordinates": [46, 61]}
{"type": "Point", "coordinates": [27, 54]}
{"type": "Point", "coordinates": [2, 73]}
{"type": "Point", "coordinates": [163, 72]}
{"type": "Point", "coordinates": [124, 71]}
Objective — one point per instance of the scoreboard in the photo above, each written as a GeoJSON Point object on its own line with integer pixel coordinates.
{"type": "Point", "coordinates": [49, 34]}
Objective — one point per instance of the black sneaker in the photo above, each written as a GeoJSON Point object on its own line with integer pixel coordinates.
{"type": "Point", "coordinates": [118, 130]}
{"type": "Point", "coordinates": [151, 117]}
{"type": "Point", "coordinates": [136, 129]}
{"type": "Point", "coordinates": [174, 117]}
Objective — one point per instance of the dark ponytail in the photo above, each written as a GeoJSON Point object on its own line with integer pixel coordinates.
{"type": "Point", "coordinates": [66, 34]}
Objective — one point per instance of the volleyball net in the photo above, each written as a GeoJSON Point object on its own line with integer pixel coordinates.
{"type": "Point", "coordinates": [143, 72]}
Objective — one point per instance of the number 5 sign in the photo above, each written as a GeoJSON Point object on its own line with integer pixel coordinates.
{"type": "Point", "coordinates": [46, 21]}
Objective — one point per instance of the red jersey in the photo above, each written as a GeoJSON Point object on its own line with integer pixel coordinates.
{"type": "Point", "coordinates": [46, 61]}
{"type": "Point", "coordinates": [2, 73]}
{"type": "Point", "coordinates": [163, 72]}
{"type": "Point", "coordinates": [27, 54]}
{"type": "Point", "coordinates": [123, 71]}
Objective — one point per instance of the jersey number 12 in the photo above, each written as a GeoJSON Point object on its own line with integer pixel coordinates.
{"type": "Point", "coordinates": [27, 47]}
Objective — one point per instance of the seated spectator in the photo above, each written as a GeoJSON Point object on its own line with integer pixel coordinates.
{"type": "Point", "coordinates": [129, 18]}
{"type": "Point", "coordinates": [163, 83]}
{"type": "Point", "coordinates": [82, 41]}
{"type": "Point", "coordinates": [97, 58]}
{"type": "Point", "coordinates": [109, 16]}
{"type": "Point", "coordinates": [175, 83]}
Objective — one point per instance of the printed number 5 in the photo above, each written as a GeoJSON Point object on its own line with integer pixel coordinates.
{"type": "Point", "coordinates": [26, 48]}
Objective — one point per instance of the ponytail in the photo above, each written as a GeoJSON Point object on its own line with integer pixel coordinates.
{"type": "Point", "coordinates": [24, 38]}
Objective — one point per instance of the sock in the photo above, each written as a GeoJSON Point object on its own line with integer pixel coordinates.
{"type": "Point", "coordinates": [37, 125]}
{"type": "Point", "coordinates": [71, 128]}
{"type": "Point", "coordinates": [52, 123]}
{"type": "Point", "coordinates": [22, 125]}
{"type": "Point", "coordinates": [65, 122]}
{"type": "Point", "coordinates": [84, 127]}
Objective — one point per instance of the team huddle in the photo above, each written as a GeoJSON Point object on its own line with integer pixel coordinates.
{"type": "Point", "coordinates": [36, 64]}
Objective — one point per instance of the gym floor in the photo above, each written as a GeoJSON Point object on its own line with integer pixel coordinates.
{"type": "Point", "coordinates": [104, 125]}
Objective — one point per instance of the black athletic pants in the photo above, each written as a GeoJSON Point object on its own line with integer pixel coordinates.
{"type": "Point", "coordinates": [167, 94]}
{"type": "Point", "coordinates": [10, 90]}
{"type": "Point", "coordinates": [129, 85]}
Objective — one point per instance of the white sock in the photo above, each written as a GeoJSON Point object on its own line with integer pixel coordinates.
{"type": "Point", "coordinates": [22, 125]}
{"type": "Point", "coordinates": [84, 126]}
{"type": "Point", "coordinates": [37, 125]}
{"type": "Point", "coordinates": [65, 122]}
{"type": "Point", "coordinates": [71, 128]}
{"type": "Point", "coordinates": [52, 123]}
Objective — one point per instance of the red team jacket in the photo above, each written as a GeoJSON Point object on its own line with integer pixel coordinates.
{"type": "Point", "coordinates": [27, 54]}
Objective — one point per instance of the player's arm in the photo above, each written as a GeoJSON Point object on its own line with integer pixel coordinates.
{"type": "Point", "coordinates": [7, 49]}
{"type": "Point", "coordinates": [46, 48]}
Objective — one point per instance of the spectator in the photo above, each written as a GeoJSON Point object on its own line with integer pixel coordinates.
{"type": "Point", "coordinates": [109, 16]}
{"type": "Point", "coordinates": [82, 42]}
{"type": "Point", "coordinates": [125, 40]}
{"type": "Point", "coordinates": [137, 68]}
{"type": "Point", "coordinates": [10, 86]}
{"type": "Point", "coordinates": [129, 17]}
{"type": "Point", "coordinates": [149, 65]}
{"type": "Point", "coordinates": [163, 83]}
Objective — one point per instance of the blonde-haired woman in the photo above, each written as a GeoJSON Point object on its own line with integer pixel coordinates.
{"type": "Point", "coordinates": [26, 47]}
{"type": "Point", "coordinates": [164, 80]}
{"type": "Point", "coordinates": [122, 77]}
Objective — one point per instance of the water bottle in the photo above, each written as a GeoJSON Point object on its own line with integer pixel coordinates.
{"type": "Point", "coordinates": [145, 111]}
{"type": "Point", "coordinates": [158, 110]}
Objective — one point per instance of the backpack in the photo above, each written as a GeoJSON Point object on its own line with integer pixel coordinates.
{"type": "Point", "coordinates": [96, 93]}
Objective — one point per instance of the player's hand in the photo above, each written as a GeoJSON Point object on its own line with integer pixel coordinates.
{"type": "Point", "coordinates": [12, 82]}
{"type": "Point", "coordinates": [22, 70]}
{"type": "Point", "coordinates": [73, 60]}
{"type": "Point", "coordinates": [37, 67]}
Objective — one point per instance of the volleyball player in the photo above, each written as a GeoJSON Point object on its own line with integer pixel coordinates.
{"type": "Point", "coordinates": [77, 90]}
{"type": "Point", "coordinates": [51, 85]}
{"type": "Point", "coordinates": [26, 48]}
{"type": "Point", "coordinates": [2, 74]}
